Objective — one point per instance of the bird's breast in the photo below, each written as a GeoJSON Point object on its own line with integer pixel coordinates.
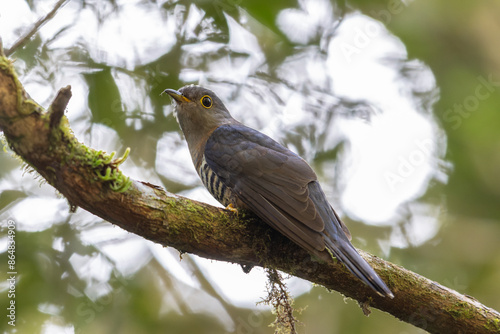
{"type": "Point", "coordinates": [214, 185]}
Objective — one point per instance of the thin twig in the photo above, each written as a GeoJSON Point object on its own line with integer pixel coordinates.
{"type": "Point", "coordinates": [21, 41]}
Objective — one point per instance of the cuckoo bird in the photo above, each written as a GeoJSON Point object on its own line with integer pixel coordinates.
{"type": "Point", "coordinates": [243, 168]}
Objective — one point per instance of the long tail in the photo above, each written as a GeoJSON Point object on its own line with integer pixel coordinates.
{"type": "Point", "coordinates": [348, 255]}
{"type": "Point", "coordinates": [337, 241]}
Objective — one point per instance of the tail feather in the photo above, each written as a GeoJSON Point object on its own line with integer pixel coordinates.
{"type": "Point", "coordinates": [350, 257]}
{"type": "Point", "coordinates": [337, 242]}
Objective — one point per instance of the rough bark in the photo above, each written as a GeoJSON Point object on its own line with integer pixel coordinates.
{"type": "Point", "coordinates": [91, 180]}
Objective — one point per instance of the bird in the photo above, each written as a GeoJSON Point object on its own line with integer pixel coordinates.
{"type": "Point", "coordinates": [246, 169]}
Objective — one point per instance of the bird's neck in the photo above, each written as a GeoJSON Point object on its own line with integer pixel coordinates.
{"type": "Point", "coordinates": [196, 144]}
{"type": "Point", "coordinates": [197, 138]}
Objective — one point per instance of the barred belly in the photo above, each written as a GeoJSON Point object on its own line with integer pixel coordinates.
{"type": "Point", "coordinates": [214, 185]}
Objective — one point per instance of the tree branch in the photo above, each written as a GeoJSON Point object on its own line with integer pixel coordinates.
{"type": "Point", "coordinates": [91, 180]}
{"type": "Point", "coordinates": [37, 25]}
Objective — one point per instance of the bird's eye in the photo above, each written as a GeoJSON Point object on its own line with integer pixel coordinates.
{"type": "Point", "coordinates": [206, 101]}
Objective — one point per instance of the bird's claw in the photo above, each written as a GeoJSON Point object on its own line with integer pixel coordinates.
{"type": "Point", "coordinates": [231, 208]}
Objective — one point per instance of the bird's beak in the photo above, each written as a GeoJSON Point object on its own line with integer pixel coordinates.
{"type": "Point", "coordinates": [176, 95]}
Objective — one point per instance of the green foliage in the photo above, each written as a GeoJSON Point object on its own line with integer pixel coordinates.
{"type": "Point", "coordinates": [107, 169]}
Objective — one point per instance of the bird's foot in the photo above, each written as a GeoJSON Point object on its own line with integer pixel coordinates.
{"type": "Point", "coordinates": [231, 208]}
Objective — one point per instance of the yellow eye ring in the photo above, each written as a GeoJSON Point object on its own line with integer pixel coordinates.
{"type": "Point", "coordinates": [206, 101]}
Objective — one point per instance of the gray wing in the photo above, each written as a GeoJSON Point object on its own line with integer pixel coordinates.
{"type": "Point", "coordinates": [270, 179]}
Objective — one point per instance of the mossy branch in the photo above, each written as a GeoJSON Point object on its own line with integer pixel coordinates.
{"type": "Point", "coordinates": [91, 180]}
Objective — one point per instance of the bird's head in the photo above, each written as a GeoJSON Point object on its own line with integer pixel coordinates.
{"type": "Point", "coordinates": [198, 108]}
{"type": "Point", "coordinates": [199, 112]}
{"type": "Point", "coordinates": [197, 104]}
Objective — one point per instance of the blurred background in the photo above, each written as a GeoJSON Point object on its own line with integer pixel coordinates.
{"type": "Point", "coordinates": [394, 103]}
